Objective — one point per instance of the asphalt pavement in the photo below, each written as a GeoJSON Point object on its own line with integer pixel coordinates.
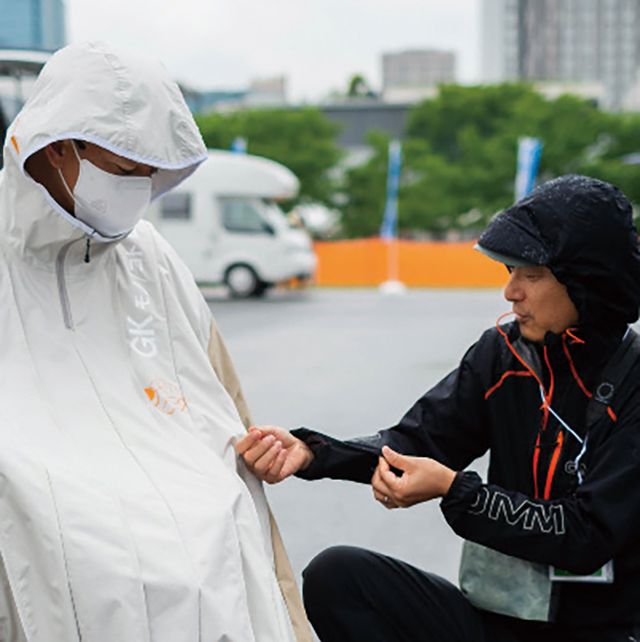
{"type": "Point", "coordinates": [349, 362]}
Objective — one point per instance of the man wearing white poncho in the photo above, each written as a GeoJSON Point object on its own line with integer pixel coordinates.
{"type": "Point", "coordinates": [124, 511]}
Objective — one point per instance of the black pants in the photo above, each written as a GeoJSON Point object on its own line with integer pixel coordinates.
{"type": "Point", "coordinates": [355, 595]}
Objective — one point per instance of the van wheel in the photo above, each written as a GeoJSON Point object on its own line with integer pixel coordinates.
{"type": "Point", "coordinates": [243, 282]}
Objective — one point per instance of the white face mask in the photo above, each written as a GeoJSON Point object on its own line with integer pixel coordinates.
{"type": "Point", "coordinates": [110, 204]}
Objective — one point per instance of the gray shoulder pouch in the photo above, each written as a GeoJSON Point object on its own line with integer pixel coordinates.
{"type": "Point", "coordinates": [499, 583]}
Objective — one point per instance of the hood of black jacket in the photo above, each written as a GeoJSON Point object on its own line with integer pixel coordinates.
{"type": "Point", "coordinates": [583, 230]}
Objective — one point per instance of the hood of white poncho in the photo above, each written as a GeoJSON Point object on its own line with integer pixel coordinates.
{"type": "Point", "coordinates": [118, 100]}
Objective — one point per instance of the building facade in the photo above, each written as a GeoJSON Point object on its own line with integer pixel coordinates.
{"type": "Point", "coordinates": [32, 24]}
{"type": "Point", "coordinates": [416, 72]}
{"type": "Point", "coordinates": [588, 42]}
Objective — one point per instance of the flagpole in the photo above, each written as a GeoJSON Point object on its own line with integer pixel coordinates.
{"type": "Point", "coordinates": [389, 227]}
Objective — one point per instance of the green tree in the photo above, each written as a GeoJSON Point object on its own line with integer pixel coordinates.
{"type": "Point", "coordinates": [359, 87]}
{"type": "Point", "coordinates": [302, 140]}
{"type": "Point", "coordinates": [459, 153]}
{"type": "Point", "coordinates": [614, 157]}
{"type": "Point", "coordinates": [489, 110]}
{"type": "Point", "coordinates": [365, 187]}
{"type": "Point", "coordinates": [460, 149]}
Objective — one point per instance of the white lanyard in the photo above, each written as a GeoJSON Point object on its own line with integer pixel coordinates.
{"type": "Point", "coordinates": [565, 425]}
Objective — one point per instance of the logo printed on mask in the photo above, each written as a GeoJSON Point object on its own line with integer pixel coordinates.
{"type": "Point", "coordinates": [99, 206]}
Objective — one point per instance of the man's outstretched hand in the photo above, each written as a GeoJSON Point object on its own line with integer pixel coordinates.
{"type": "Point", "coordinates": [273, 454]}
{"type": "Point", "coordinates": [422, 479]}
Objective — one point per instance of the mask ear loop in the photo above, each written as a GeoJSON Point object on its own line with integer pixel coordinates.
{"type": "Point", "coordinates": [75, 201]}
{"type": "Point", "coordinates": [64, 182]}
{"type": "Point", "coordinates": [62, 178]}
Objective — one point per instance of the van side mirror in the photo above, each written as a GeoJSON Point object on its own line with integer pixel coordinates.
{"type": "Point", "coordinates": [268, 229]}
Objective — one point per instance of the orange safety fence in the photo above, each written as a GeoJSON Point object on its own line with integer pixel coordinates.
{"type": "Point", "coordinates": [370, 262]}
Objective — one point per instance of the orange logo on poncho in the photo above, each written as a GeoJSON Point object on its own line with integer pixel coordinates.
{"type": "Point", "coordinates": [166, 396]}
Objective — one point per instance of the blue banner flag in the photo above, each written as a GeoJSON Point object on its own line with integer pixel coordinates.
{"type": "Point", "coordinates": [529, 151]}
{"type": "Point", "coordinates": [389, 227]}
{"type": "Point", "coordinates": [239, 145]}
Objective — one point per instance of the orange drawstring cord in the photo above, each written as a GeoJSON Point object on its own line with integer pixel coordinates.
{"type": "Point", "coordinates": [552, 466]}
{"type": "Point", "coordinates": [536, 456]}
{"type": "Point", "coordinates": [575, 372]}
{"type": "Point", "coordinates": [547, 396]}
{"type": "Point", "coordinates": [569, 331]}
{"type": "Point", "coordinates": [513, 350]}
{"type": "Point", "coordinates": [576, 376]}
{"type": "Point", "coordinates": [556, 453]}
{"type": "Point", "coordinates": [509, 373]}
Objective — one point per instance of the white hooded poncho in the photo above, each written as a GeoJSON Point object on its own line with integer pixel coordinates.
{"type": "Point", "coordinates": [125, 514]}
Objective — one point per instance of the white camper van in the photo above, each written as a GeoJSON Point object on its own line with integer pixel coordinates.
{"type": "Point", "coordinates": [225, 223]}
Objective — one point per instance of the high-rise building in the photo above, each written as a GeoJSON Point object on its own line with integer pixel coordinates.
{"type": "Point", "coordinates": [566, 41]}
{"type": "Point", "coordinates": [32, 24]}
{"type": "Point", "coordinates": [416, 72]}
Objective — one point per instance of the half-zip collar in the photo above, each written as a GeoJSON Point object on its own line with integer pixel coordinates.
{"type": "Point", "coordinates": [62, 285]}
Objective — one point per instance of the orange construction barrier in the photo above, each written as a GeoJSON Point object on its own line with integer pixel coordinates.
{"type": "Point", "coordinates": [365, 262]}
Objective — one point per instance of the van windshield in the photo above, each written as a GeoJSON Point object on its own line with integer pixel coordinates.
{"type": "Point", "coordinates": [275, 215]}
{"type": "Point", "coordinates": [249, 216]}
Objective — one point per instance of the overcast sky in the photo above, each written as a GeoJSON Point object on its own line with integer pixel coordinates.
{"type": "Point", "coordinates": [317, 44]}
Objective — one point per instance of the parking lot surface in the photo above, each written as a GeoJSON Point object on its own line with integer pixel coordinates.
{"type": "Point", "coordinates": [349, 362]}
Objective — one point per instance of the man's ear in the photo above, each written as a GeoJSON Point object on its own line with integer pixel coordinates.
{"type": "Point", "coordinates": [56, 153]}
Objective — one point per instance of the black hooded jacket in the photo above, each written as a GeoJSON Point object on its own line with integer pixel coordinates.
{"type": "Point", "coordinates": [545, 501]}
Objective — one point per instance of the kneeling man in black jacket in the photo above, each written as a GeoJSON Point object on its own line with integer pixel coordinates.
{"type": "Point", "coordinates": [552, 548]}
